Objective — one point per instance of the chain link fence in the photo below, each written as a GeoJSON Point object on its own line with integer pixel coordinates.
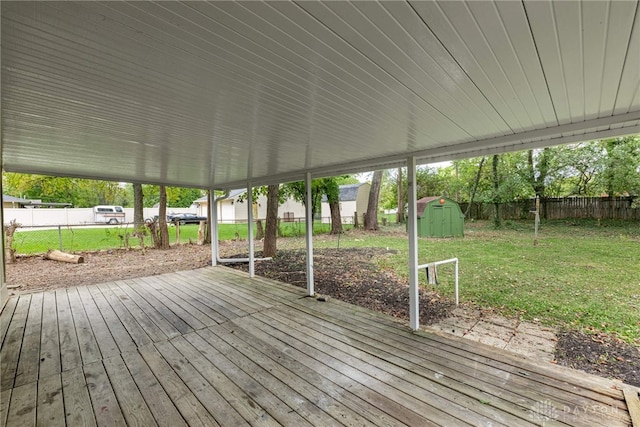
{"type": "Point", "coordinates": [76, 238]}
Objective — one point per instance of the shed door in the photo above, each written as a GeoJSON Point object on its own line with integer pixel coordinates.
{"type": "Point", "coordinates": [447, 220]}
{"type": "Point", "coordinates": [441, 221]}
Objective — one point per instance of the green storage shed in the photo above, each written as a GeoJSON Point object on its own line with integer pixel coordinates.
{"type": "Point", "coordinates": [439, 217]}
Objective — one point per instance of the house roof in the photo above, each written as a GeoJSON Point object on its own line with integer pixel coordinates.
{"type": "Point", "coordinates": [217, 94]}
{"type": "Point", "coordinates": [348, 192]}
{"type": "Point", "coordinates": [232, 195]}
{"type": "Point", "coordinates": [11, 199]}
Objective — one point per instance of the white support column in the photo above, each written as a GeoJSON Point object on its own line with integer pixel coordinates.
{"type": "Point", "coordinates": [213, 224]}
{"type": "Point", "coordinates": [309, 235]}
{"type": "Point", "coordinates": [252, 271]}
{"type": "Point", "coordinates": [4, 293]}
{"type": "Point", "coordinates": [414, 318]}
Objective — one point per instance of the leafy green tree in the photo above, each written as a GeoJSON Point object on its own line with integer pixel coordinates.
{"type": "Point", "coordinates": [81, 193]}
{"type": "Point", "coordinates": [621, 173]}
{"type": "Point", "coordinates": [177, 197]}
{"type": "Point", "coordinates": [319, 187]}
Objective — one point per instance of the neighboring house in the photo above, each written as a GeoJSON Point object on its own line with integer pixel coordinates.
{"type": "Point", "coordinates": [233, 209]}
{"type": "Point", "coordinates": [14, 202]}
{"type": "Point", "coordinates": [11, 202]}
{"type": "Point", "coordinates": [353, 198]}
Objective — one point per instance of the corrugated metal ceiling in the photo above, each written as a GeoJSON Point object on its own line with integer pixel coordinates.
{"type": "Point", "coordinates": [217, 93]}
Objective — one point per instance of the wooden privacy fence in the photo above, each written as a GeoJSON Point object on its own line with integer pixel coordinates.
{"type": "Point", "coordinates": [561, 208]}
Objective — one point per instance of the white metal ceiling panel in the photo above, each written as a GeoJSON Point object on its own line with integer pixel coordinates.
{"type": "Point", "coordinates": [219, 93]}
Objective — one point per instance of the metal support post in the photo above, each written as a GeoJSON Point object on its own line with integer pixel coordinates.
{"type": "Point", "coordinates": [309, 235]}
{"type": "Point", "coordinates": [252, 271]}
{"type": "Point", "coordinates": [412, 229]}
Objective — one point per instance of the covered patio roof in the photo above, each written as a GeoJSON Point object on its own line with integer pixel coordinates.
{"type": "Point", "coordinates": [216, 94]}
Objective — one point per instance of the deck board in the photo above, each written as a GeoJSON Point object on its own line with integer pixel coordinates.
{"type": "Point", "coordinates": [213, 347]}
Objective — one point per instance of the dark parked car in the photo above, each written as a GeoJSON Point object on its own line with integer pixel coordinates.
{"type": "Point", "coordinates": [186, 218]}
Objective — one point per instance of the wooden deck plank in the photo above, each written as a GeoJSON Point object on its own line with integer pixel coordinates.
{"type": "Point", "coordinates": [218, 313]}
{"type": "Point", "coordinates": [269, 289]}
{"type": "Point", "coordinates": [232, 302]}
{"type": "Point", "coordinates": [135, 410]}
{"type": "Point", "coordinates": [70, 357]}
{"type": "Point", "coordinates": [256, 403]}
{"type": "Point", "coordinates": [89, 350]}
{"type": "Point", "coordinates": [632, 398]}
{"type": "Point", "coordinates": [373, 396]}
{"type": "Point", "coordinates": [135, 331]}
{"type": "Point", "coordinates": [276, 371]}
{"type": "Point", "coordinates": [13, 343]}
{"type": "Point", "coordinates": [5, 397]}
{"type": "Point", "coordinates": [157, 303]}
{"type": "Point", "coordinates": [153, 312]}
{"type": "Point", "coordinates": [237, 297]}
{"type": "Point", "coordinates": [197, 309]}
{"type": "Point", "coordinates": [49, 339]}
{"type": "Point", "coordinates": [77, 403]}
{"type": "Point", "coordinates": [225, 413]}
{"type": "Point", "coordinates": [159, 403]}
{"type": "Point", "coordinates": [6, 313]}
{"type": "Point", "coordinates": [111, 337]}
{"type": "Point", "coordinates": [244, 286]}
{"type": "Point", "coordinates": [133, 312]}
{"type": "Point", "coordinates": [487, 385]}
{"type": "Point", "coordinates": [50, 410]}
{"type": "Point", "coordinates": [269, 357]}
{"type": "Point", "coordinates": [522, 373]}
{"type": "Point", "coordinates": [191, 409]}
{"type": "Point", "coordinates": [29, 363]}
{"type": "Point", "coordinates": [376, 361]}
{"type": "Point", "coordinates": [22, 408]}
{"type": "Point", "coordinates": [426, 396]}
{"type": "Point", "coordinates": [185, 311]}
{"type": "Point", "coordinates": [222, 301]}
{"type": "Point", "coordinates": [105, 405]}
{"type": "Point", "coordinates": [113, 321]}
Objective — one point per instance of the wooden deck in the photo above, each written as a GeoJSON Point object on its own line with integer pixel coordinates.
{"type": "Point", "coordinates": [213, 347]}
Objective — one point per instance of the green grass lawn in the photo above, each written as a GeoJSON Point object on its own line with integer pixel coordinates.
{"type": "Point", "coordinates": [80, 238]}
{"type": "Point", "coordinates": [584, 275]}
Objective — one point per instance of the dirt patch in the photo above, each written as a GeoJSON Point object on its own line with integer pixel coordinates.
{"type": "Point", "coordinates": [349, 274]}
{"type": "Point", "coordinates": [34, 273]}
{"type": "Point", "coordinates": [599, 354]}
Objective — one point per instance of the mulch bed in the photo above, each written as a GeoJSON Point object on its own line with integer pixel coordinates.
{"type": "Point", "coordinates": [599, 354]}
{"type": "Point", "coordinates": [350, 275]}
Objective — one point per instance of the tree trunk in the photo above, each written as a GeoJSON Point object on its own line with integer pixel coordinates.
{"type": "Point", "coordinates": [207, 236]}
{"type": "Point", "coordinates": [163, 232]}
{"type": "Point", "coordinates": [138, 207]}
{"type": "Point", "coordinates": [271, 222]}
{"type": "Point", "coordinates": [259, 230]}
{"type": "Point", "coordinates": [371, 217]}
{"type": "Point", "coordinates": [497, 221]}
{"type": "Point", "coordinates": [64, 257]}
{"type": "Point", "coordinates": [475, 188]}
{"type": "Point", "coordinates": [400, 213]}
{"type": "Point", "coordinates": [336, 219]}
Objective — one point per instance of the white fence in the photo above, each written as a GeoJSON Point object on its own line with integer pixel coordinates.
{"type": "Point", "coordinates": [72, 216]}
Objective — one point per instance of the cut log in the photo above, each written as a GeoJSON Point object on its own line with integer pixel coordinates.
{"type": "Point", "coordinates": [64, 257]}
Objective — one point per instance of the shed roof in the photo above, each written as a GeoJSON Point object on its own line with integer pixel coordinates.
{"type": "Point", "coordinates": [421, 204]}
{"type": "Point", "coordinates": [216, 94]}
